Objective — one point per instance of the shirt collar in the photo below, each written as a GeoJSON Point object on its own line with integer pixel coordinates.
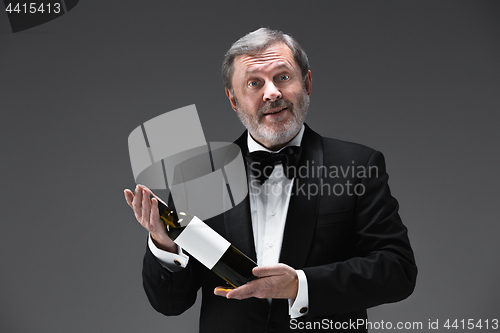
{"type": "Point", "coordinates": [255, 146]}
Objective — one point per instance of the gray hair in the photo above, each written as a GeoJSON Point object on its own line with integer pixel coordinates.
{"type": "Point", "coordinates": [257, 41]}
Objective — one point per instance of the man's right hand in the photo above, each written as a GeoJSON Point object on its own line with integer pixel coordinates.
{"type": "Point", "coordinates": [147, 214]}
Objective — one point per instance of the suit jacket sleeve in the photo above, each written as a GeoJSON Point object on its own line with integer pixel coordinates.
{"type": "Point", "coordinates": [170, 293]}
{"type": "Point", "coordinates": [381, 268]}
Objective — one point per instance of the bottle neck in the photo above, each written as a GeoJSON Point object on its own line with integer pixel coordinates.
{"type": "Point", "coordinates": [169, 216]}
{"type": "Point", "coordinates": [173, 219]}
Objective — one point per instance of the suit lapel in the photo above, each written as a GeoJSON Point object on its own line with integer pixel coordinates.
{"type": "Point", "coordinates": [238, 224]}
{"type": "Point", "coordinates": [303, 208]}
{"type": "Point", "coordinates": [238, 220]}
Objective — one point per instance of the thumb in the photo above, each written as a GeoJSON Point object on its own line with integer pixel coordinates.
{"type": "Point", "coordinates": [262, 271]}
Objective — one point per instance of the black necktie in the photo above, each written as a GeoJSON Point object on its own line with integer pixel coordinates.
{"type": "Point", "coordinates": [262, 163]}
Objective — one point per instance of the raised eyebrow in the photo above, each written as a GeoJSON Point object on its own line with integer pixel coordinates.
{"type": "Point", "coordinates": [279, 67]}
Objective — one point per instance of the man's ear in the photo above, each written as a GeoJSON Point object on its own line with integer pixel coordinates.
{"type": "Point", "coordinates": [308, 82]}
{"type": "Point", "coordinates": [232, 99]}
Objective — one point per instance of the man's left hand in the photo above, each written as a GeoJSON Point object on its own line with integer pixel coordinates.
{"type": "Point", "coordinates": [278, 281]}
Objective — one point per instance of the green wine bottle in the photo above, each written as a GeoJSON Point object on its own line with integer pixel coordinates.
{"type": "Point", "coordinates": [207, 246]}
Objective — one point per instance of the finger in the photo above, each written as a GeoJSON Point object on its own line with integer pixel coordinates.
{"type": "Point", "coordinates": [137, 204]}
{"type": "Point", "coordinates": [150, 193]}
{"type": "Point", "coordinates": [154, 219]}
{"type": "Point", "coordinates": [262, 271]}
{"type": "Point", "coordinates": [155, 212]}
{"type": "Point", "coordinates": [245, 291]}
{"type": "Point", "coordinates": [146, 208]}
{"type": "Point", "coordinates": [222, 291]}
{"type": "Point", "coordinates": [129, 196]}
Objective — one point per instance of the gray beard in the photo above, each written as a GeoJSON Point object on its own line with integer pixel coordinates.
{"type": "Point", "coordinates": [277, 134]}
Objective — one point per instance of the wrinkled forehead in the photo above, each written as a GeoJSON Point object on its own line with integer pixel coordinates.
{"type": "Point", "coordinates": [275, 56]}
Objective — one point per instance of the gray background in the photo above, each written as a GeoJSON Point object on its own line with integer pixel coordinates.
{"type": "Point", "coordinates": [418, 80]}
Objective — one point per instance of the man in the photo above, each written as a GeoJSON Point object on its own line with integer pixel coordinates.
{"type": "Point", "coordinates": [327, 237]}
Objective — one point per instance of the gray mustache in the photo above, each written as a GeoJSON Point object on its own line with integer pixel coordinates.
{"type": "Point", "coordinates": [276, 104]}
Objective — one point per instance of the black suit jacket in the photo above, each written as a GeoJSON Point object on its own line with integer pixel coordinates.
{"type": "Point", "coordinates": [342, 229]}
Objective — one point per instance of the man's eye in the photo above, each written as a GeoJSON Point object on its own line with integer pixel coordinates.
{"type": "Point", "coordinates": [253, 83]}
{"type": "Point", "coordinates": [284, 77]}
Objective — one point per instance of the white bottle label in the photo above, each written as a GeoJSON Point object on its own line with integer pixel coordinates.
{"type": "Point", "coordinates": [202, 242]}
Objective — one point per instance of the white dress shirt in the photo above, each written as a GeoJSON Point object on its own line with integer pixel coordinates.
{"type": "Point", "coordinates": [268, 206]}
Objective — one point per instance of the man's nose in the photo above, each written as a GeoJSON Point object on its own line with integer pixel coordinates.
{"type": "Point", "coordinates": [271, 92]}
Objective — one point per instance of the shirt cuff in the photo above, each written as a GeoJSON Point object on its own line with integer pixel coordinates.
{"type": "Point", "coordinates": [299, 306]}
{"type": "Point", "coordinates": [171, 261]}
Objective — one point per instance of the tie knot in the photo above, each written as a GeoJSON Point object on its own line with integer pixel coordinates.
{"type": "Point", "coordinates": [262, 163]}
